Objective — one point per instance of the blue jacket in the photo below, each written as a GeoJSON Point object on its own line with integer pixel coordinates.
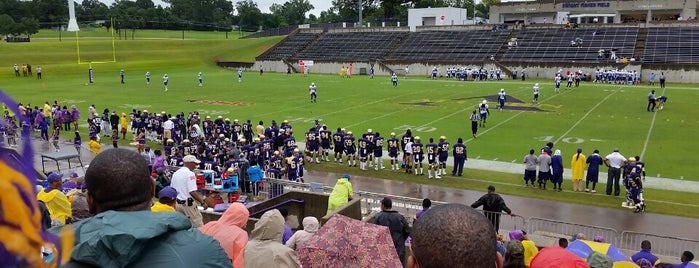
{"type": "Point", "coordinates": [255, 173]}
{"type": "Point", "coordinates": [143, 239]}
{"type": "Point", "coordinates": [646, 254]}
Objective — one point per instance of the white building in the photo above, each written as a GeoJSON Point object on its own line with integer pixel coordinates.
{"type": "Point", "coordinates": [436, 16]}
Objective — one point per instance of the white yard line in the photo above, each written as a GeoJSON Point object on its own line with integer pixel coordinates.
{"type": "Point", "coordinates": [585, 116]}
{"type": "Point", "coordinates": [650, 129]}
{"type": "Point", "coordinates": [371, 119]}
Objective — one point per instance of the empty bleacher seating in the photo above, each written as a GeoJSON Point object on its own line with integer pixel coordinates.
{"type": "Point", "coordinates": [352, 46]}
{"type": "Point", "coordinates": [289, 46]}
{"type": "Point", "coordinates": [672, 45]}
{"type": "Point", "coordinates": [554, 44]}
{"type": "Point", "coordinates": [449, 46]}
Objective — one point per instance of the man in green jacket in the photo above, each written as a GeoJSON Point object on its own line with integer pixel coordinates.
{"type": "Point", "coordinates": [124, 233]}
{"type": "Point", "coordinates": [342, 193]}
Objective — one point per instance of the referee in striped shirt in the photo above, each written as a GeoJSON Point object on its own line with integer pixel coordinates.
{"type": "Point", "coordinates": [474, 123]}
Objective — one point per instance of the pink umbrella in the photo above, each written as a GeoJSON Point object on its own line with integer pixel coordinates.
{"type": "Point", "coordinates": [346, 242]}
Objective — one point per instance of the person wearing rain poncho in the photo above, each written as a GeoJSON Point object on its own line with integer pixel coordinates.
{"type": "Point", "coordinates": [310, 227]}
{"type": "Point", "coordinates": [341, 194]}
{"type": "Point", "coordinates": [55, 200]}
{"type": "Point", "coordinates": [265, 249]}
{"type": "Point", "coordinates": [228, 230]}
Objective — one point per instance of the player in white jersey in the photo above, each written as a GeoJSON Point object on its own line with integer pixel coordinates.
{"type": "Point", "coordinates": [200, 77]}
{"type": "Point", "coordinates": [557, 80]}
{"type": "Point", "coordinates": [312, 91]}
{"type": "Point", "coordinates": [484, 112]}
{"type": "Point", "coordinates": [502, 97]}
{"type": "Point", "coordinates": [165, 79]}
{"type": "Point", "coordinates": [535, 88]}
{"type": "Point", "coordinates": [147, 78]}
{"type": "Point", "coordinates": [240, 75]}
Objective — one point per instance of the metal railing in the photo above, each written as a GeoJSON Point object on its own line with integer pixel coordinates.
{"type": "Point", "coordinates": [407, 206]}
{"type": "Point", "coordinates": [554, 228]}
{"type": "Point", "coordinates": [662, 245]}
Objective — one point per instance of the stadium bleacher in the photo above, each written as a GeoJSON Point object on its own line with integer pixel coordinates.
{"type": "Point", "coordinates": [352, 46]}
{"type": "Point", "coordinates": [449, 46]}
{"type": "Point", "coordinates": [289, 46]}
{"type": "Point", "coordinates": [672, 45]}
{"type": "Point", "coordinates": [554, 44]}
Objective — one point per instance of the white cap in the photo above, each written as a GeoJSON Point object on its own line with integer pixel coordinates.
{"type": "Point", "coordinates": [502, 89]}
{"type": "Point", "coordinates": [484, 101]}
{"type": "Point", "coordinates": [190, 159]}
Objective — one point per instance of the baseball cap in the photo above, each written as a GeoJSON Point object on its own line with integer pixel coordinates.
{"type": "Point", "coordinates": [168, 193]}
{"type": "Point", "coordinates": [190, 158]}
{"type": "Point", "coordinates": [54, 177]}
{"type": "Point", "coordinates": [74, 175]}
{"type": "Point", "coordinates": [346, 176]}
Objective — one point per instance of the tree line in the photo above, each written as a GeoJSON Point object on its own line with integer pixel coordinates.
{"type": "Point", "coordinates": [19, 17]}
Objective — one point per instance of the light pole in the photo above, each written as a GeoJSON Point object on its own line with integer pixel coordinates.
{"type": "Point", "coordinates": [360, 12]}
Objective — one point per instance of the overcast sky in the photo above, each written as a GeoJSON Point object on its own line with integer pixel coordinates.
{"type": "Point", "coordinates": [320, 5]}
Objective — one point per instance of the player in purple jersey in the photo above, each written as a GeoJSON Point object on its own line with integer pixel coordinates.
{"type": "Point", "coordinates": [443, 152]}
{"type": "Point", "coordinates": [407, 139]}
{"type": "Point", "coordinates": [369, 136]}
{"type": "Point", "coordinates": [339, 144]}
{"type": "Point", "coordinates": [459, 154]}
{"type": "Point", "coordinates": [363, 152]}
{"type": "Point", "coordinates": [325, 137]}
{"type": "Point", "coordinates": [292, 166]}
{"type": "Point", "coordinates": [350, 149]}
{"type": "Point", "coordinates": [247, 130]}
{"type": "Point", "coordinates": [392, 147]}
{"type": "Point", "coordinates": [432, 165]}
{"type": "Point", "coordinates": [312, 144]}
{"type": "Point", "coordinates": [417, 155]}
{"type": "Point", "coordinates": [378, 152]}
{"type": "Point", "coordinates": [55, 137]}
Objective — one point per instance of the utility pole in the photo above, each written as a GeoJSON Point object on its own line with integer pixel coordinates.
{"type": "Point", "coordinates": [360, 13]}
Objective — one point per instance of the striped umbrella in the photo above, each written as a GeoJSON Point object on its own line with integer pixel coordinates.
{"type": "Point", "coordinates": [583, 248]}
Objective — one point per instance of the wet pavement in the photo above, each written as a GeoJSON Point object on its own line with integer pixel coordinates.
{"type": "Point", "coordinates": [617, 219]}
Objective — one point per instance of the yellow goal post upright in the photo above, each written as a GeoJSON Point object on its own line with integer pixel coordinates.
{"type": "Point", "coordinates": [113, 60]}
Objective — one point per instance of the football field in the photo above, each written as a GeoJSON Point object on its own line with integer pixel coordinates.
{"type": "Point", "coordinates": [593, 116]}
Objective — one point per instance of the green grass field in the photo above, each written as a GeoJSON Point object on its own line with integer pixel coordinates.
{"type": "Point", "coordinates": [594, 116]}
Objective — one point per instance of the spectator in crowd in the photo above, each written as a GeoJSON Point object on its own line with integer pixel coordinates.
{"type": "Point", "coordinates": [500, 245]}
{"type": "Point", "coordinates": [426, 204]}
{"type": "Point", "coordinates": [265, 249]}
{"type": "Point", "coordinates": [614, 161]}
{"type": "Point", "coordinates": [562, 242]}
{"type": "Point", "coordinates": [514, 257]}
{"type": "Point", "coordinates": [310, 227]}
{"type": "Point", "coordinates": [71, 183]}
{"type": "Point", "coordinates": [577, 168]}
{"type": "Point", "coordinates": [55, 200]}
{"type": "Point", "coordinates": [646, 254]}
{"type": "Point", "coordinates": [599, 260]}
{"type": "Point", "coordinates": [95, 146]}
{"type": "Point", "coordinates": [184, 181]}
{"type": "Point", "coordinates": [287, 229]}
{"type": "Point", "coordinates": [451, 232]}
{"type": "Point", "coordinates": [579, 236]}
{"type": "Point", "coordinates": [530, 249]}
{"type": "Point", "coordinates": [341, 194]}
{"type": "Point", "coordinates": [396, 224]}
{"type": "Point", "coordinates": [167, 200]}
{"type": "Point", "coordinates": [230, 233]}
{"type": "Point", "coordinates": [530, 162]}
{"type": "Point", "coordinates": [686, 258]}
{"type": "Point", "coordinates": [557, 168]}
{"type": "Point", "coordinates": [119, 193]}
{"type": "Point", "coordinates": [78, 203]}
{"type": "Point", "coordinates": [493, 205]}
{"type": "Point", "coordinates": [594, 161]}
{"type": "Point", "coordinates": [598, 238]}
